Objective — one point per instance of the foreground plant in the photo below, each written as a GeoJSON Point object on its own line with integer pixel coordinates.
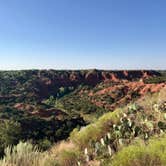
{"type": "Point", "coordinates": [140, 154]}
{"type": "Point", "coordinates": [25, 154]}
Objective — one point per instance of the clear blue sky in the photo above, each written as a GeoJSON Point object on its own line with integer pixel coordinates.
{"type": "Point", "coordinates": [74, 34]}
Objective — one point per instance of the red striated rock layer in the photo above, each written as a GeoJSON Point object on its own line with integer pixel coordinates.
{"type": "Point", "coordinates": [126, 91]}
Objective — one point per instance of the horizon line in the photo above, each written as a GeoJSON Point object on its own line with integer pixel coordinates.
{"type": "Point", "coordinates": [79, 69]}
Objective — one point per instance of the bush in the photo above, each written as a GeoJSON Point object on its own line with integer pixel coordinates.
{"type": "Point", "coordinates": [67, 154]}
{"type": "Point", "coordinates": [140, 154]}
{"type": "Point", "coordinates": [95, 131]}
{"type": "Point", "coordinates": [69, 158]}
{"type": "Point", "coordinates": [156, 80]}
{"type": "Point", "coordinates": [44, 144]}
{"type": "Point", "coordinates": [10, 134]}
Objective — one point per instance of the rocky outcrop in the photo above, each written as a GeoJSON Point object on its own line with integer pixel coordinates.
{"type": "Point", "coordinates": [123, 93]}
{"type": "Point", "coordinates": [47, 84]}
{"type": "Point", "coordinates": [93, 77]}
{"type": "Point", "coordinates": [40, 84]}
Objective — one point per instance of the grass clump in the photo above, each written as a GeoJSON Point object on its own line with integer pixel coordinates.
{"type": "Point", "coordinates": [69, 158]}
{"type": "Point", "coordinates": [141, 154]}
{"type": "Point", "coordinates": [25, 154]}
{"type": "Point", "coordinates": [67, 154]}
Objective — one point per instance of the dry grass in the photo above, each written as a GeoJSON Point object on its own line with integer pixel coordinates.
{"type": "Point", "coordinates": [149, 100]}
{"type": "Point", "coordinates": [67, 154]}
{"type": "Point", "coordinates": [68, 158]}
{"type": "Point", "coordinates": [63, 145]}
{"type": "Point", "coordinates": [25, 154]}
{"type": "Point", "coordinates": [147, 160]}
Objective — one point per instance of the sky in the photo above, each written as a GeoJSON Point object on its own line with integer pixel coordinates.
{"type": "Point", "coordinates": [82, 34]}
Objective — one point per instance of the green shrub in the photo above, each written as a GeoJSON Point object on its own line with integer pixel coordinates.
{"type": "Point", "coordinates": [156, 80]}
{"type": "Point", "coordinates": [96, 130]}
{"type": "Point", "coordinates": [44, 144]}
{"type": "Point", "coordinates": [140, 154]}
{"type": "Point", "coordinates": [10, 134]}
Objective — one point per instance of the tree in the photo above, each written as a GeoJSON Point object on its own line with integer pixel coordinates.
{"type": "Point", "coordinates": [10, 133]}
{"type": "Point", "coordinates": [51, 101]}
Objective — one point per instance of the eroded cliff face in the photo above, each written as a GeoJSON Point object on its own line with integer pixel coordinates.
{"type": "Point", "coordinates": [40, 84]}
{"type": "Point", "coordinates": [123, 93]}
{"type": "Point", "coordinates": [93, 77]}
{"type": "Point", "coordinates": [47, 84]}
{"type": "Point", "coordinates": [96, 89]}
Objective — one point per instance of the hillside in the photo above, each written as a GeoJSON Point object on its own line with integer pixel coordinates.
{"type": "Point", "coordinates": [134, 134]}
{"type": "Point", "coordinates": [78, 93]}
{"type": "Point", "coordinates": [95, 112]}
{"type": "Point", "coordinates": [40, 84]}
